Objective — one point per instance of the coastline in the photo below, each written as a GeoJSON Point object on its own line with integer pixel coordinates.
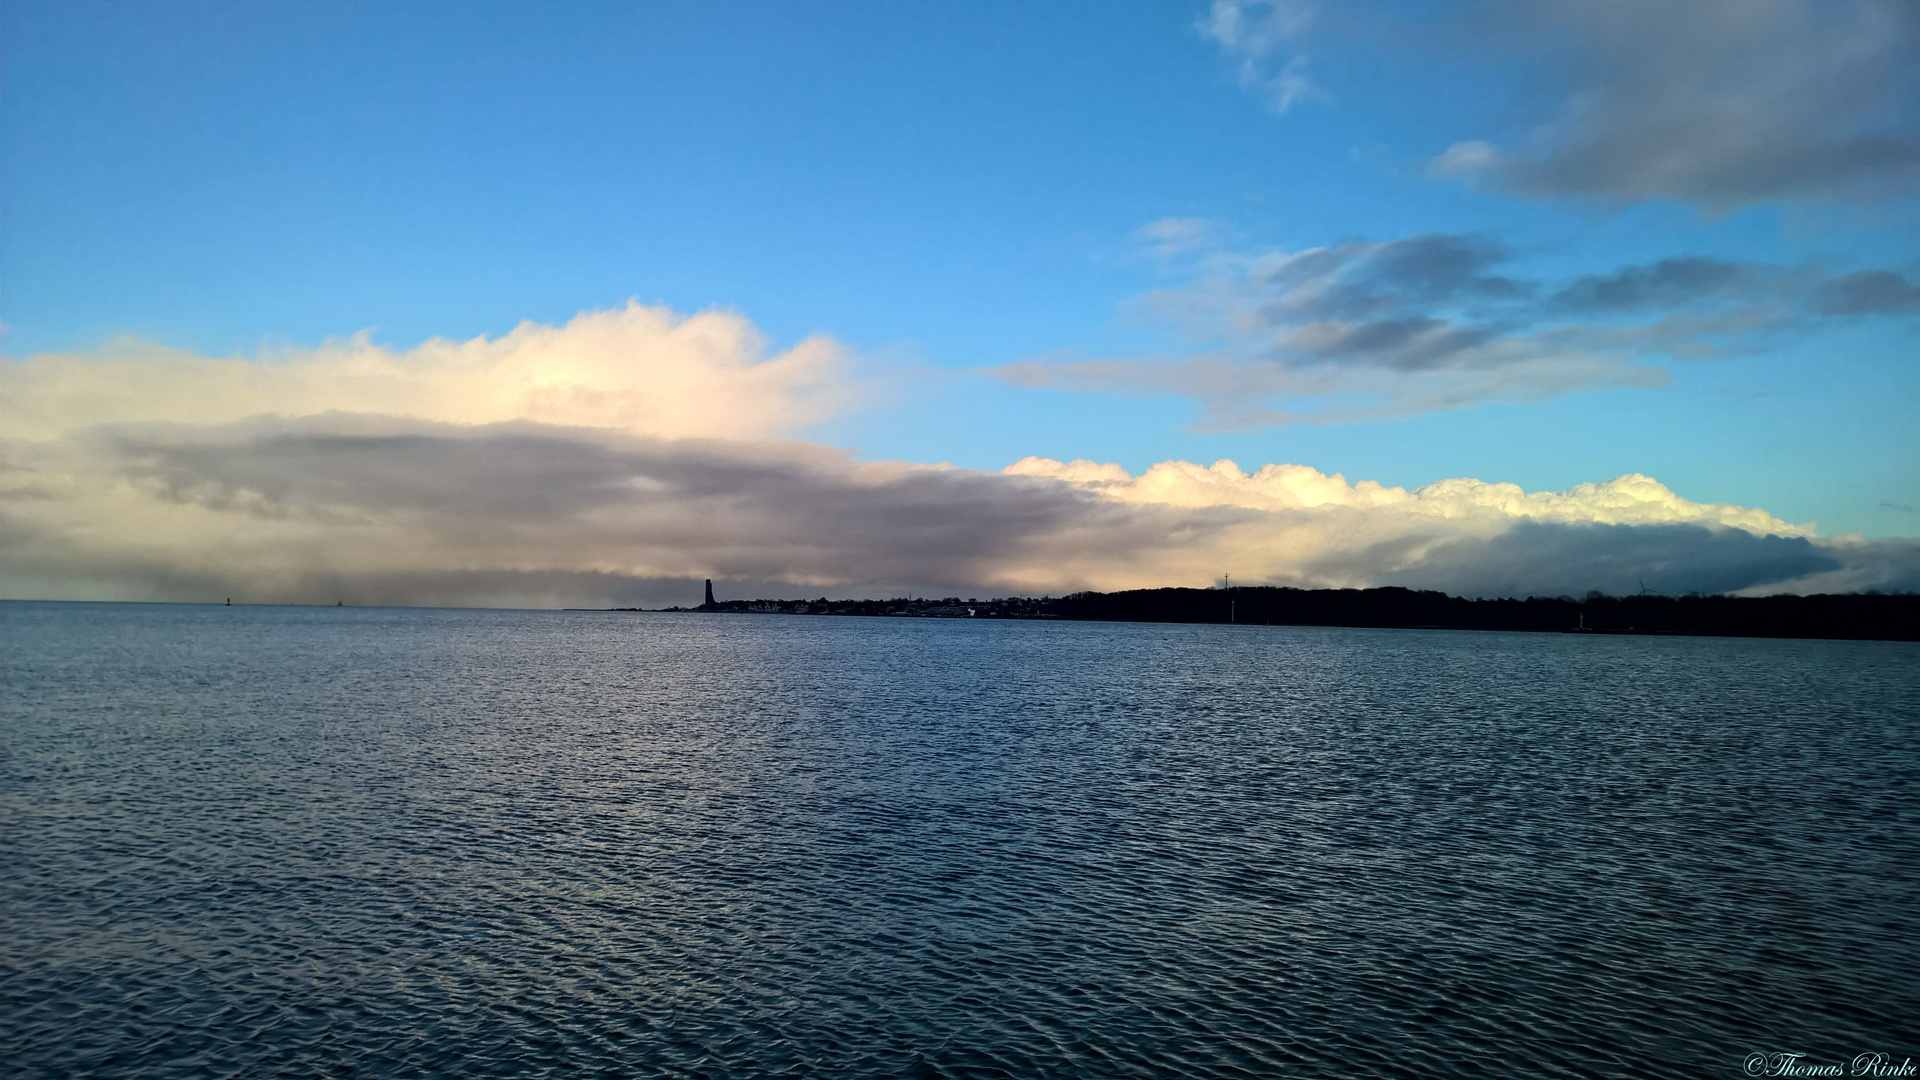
{"type": "Point", "coordinates": [1851, 616]}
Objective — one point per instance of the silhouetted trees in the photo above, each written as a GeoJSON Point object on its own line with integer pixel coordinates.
{"type": "Point", "coordinates": [1851, 615]}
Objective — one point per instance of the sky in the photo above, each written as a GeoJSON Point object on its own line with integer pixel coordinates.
{"type": "Point", "coordinates": [577, 303]}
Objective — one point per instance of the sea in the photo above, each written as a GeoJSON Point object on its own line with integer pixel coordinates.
{"type": "Point", "coordinates": [361, 842]}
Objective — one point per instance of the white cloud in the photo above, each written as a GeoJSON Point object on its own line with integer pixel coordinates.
{"type": "Point", "coordinates": [1627, 500]}
{"type": "Point", "coordinates": [635, 368]}
{"type": "Point", "coordinates": [1314, 530]}
{"type": "Point", "coordinates": [1257, 35]}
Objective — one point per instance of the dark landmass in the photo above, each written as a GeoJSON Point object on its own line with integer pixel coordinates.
{"type": "Point", "coordinates": [1853, 615]}
{"type": "Point", "coordinates": [1893, 617]}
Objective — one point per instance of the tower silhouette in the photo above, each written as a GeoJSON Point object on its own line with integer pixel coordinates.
{"type": "Point", "coordinates": [709, 602]}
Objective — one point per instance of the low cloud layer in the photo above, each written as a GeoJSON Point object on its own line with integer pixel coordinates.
{"type": "Point", "coordinates": [1370, 329]}
{"type": "Point", "coordinates": [304, 500]}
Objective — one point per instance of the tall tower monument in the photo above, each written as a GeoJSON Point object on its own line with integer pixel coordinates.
{"type": "Point", "coordinates": [709, 602]}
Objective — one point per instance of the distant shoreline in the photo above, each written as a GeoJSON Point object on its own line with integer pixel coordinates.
{"type": "Point", "coordinates": [1851, 616]}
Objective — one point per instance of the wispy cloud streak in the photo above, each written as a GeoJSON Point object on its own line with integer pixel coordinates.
{"type": "Point", "coordinates": [1261, 37]}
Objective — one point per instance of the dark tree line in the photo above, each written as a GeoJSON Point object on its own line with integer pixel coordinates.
{"type": "Point", "coordinates": [1852, 615]}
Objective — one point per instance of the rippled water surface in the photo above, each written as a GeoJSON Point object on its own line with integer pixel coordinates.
{"type": "Point", "coordinates": [253, 841]}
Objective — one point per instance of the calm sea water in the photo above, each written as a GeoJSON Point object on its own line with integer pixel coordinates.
{"type": "Point", "coordinates": [257, 841]}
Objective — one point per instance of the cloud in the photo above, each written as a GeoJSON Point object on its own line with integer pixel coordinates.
{"type": "Point", "coordinates": [1464, 159]}
{"type": "Point", "coordinates": [1717, 102]}
{"type": "Point", "coordinates": [1870, 292]}
{"type": "Point", "coordinates": [1535, 558]}
{"type": "Point", "coordinates": [1628, 500]}
{"type": "Point", "coordinates": [428, 494]}
{"type": "Point", "coordinates": [1891, 564]}
{"type": "Point", "coordinates": [1375, 329]}
{"type": "Point", "coordinates": [1256, 34]}
{"type": "Point", "coordinates": [1665, 284]}
{"type": "Point", "coordinates": [1478, 539]}
{"type": "Point", "coordinates": [634, 368]}
{"type": "Point", "coordinates": [1169, 237]}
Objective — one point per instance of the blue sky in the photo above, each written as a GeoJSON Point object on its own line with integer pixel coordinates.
{"type": "Point", "coordinates": [951, 189]}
